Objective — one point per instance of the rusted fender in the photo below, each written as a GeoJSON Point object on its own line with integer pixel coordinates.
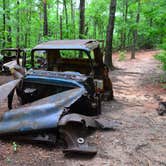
{"type": "Point", "coordinates": [45, 115]}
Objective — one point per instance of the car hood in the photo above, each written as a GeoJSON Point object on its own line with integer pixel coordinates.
{"type": "Point", "coordinates": [42, 114]}
{"type": "Point", "coordinates": [66, 79]}
{"type": "Point", "coordinates": [70, 75]}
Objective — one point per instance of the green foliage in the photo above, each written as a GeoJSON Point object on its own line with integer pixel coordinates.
{"type": "Point", "coordinates": [162, 79]}
{"type": "Point", "coordinates": [163, 44]}
{"type": "Point", "coordinates": [72, 54]}
{"type": "Point", "coordinates": [15, 147]}
{"type": "Point", "coordinates": [164, 86]}
{"type": "Point", "coordinates": [122, 55]}
{"type": "Point", "coordinates": [28, 17]}
{"type": "Point", "coordinates": [162, 58]}
{"type": "Point", "coordinates": [1, 57]}
{"type": "Point", "coordinates": [8, 160]}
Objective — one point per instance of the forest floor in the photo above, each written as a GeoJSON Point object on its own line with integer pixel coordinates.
{"type": "Point", "coordinates": [139, 140]}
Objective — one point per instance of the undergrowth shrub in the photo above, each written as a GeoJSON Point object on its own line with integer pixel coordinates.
{"type": "Point", "coordinates": [162, 58]}
{"type": "Point", "coordinates": [122, 55]}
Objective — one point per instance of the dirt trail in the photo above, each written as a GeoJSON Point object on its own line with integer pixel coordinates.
{"type": "Point", "coordinates": [140, 140]}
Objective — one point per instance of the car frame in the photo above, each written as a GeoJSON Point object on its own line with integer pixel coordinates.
{"type": "Point", "coordinates": [97, 69]}
{"type": "Point", "coordinates": [18, 58]}
{"type": "Point", "coordinates": [56, 104]}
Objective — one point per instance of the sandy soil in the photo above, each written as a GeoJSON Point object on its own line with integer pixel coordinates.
{"type": "Point", "coordinates": [139, 140]}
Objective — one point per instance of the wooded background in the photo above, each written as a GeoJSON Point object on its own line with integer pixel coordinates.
{"type": "Point", "coordinates": [139, 24]}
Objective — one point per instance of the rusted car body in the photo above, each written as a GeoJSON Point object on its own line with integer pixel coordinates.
{"type": "Point", "coordinates": [11, 57]}
{"type": "Point", "coordinates": [60, 102]}
{"type": "Point", "coordinates": [91, 65]}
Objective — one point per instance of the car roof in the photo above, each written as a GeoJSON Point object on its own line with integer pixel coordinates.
{"type": "Point", "coordinates": [12, 49]}
{"type": "Point", "coordinates": [78, 44]}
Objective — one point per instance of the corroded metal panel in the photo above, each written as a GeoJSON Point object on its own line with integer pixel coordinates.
{"type": "Point", "coordinates": [42, 114]}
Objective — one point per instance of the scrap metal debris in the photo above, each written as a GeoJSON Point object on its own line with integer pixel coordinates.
{"type": "Point", "coordinates": [106, 124]}
{"type": "Point", "coordinates": [162, 108]}
{"type": "Point", "coordinates": [7, 88]}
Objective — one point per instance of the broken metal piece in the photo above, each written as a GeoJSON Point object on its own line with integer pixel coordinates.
{"type": "Point", "coordinates": [106, 124]}
{"type": "Point", "coordinates": [162, 108]}
{"type": "Point", "coordinates": [73, 128]}
{"type": "Point", "coordinates": [47, 138]}
{"type": "Point", "coordinates": [42, 114]}
{"type": "Point", "coordinates": [92, 122]}
{"type": "Point", "coordinates": [77, 118]}
{"type": "Point", "coordinates": [74, 135]}
{"type": "Point", "coordinates": [7, 88]}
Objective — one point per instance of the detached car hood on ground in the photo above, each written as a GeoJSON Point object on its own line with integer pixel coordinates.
{"type": "Point", "coordinates": [43, 114]}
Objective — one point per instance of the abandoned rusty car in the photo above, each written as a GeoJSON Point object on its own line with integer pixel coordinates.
{"type": "Point", "coordinates": [59, 96]}
{"type": "Point", "coordinates": [11, 57]}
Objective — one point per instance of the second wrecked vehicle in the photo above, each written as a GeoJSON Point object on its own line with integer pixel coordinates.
{"type": "Point", "coordinates": [58, 103]}
{"type": "Point", "coordinates": [11, 57]}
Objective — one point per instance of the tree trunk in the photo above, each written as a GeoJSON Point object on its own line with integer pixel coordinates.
{"type": "Point", "coordinates": [9, 37]}
{"type": "Point", "coordinates": [57, 19]}
{"type": "Point", "coordinates": [61, 26]}
{"type": "Point", "coordinates": [123, 33]}
{"type": "Point", "coordinates": [94, 29]}
{"type": "Point", "coordinates": [18, 25]}
{"type": "Point", "coordinates": [57, 10]}
{"type": "Point", "coordinates": [4, 23]}
{"type": "Point", "coordinates": [29, 31]}
{"type": "Point", "coordinates": [66, 16]}
{"type": "Point", "coordinates": [133, 47]}
{"type": "Point", "coordinates": [73, 18]}
{"type": "Point", "coordinates": [126, 14]}
{"type": "Point", "coordinates": [9, 29]}
{"type": "Point", "coordinates": [45, 28]}
{"type": "Point", "coordinates": [109, 38]}
{"type": "Point", "coordinates": [82, 19]}
{"type": "Point", "coordinates": [65, 10]}
{"type": "Point", "coordinates": [135, 32]}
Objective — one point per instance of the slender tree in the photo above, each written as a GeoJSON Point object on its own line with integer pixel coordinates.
{"type": "Point", "coordinates": [123, 32]}
{"type": "Point", "coordinates": [72, 17]}
{"type": "Point", "coordinates": [109, 39]}
{"type": "Point", "coordinates": [45, 28]}
{"type": "Point", "coordinates": [65, 11]}
{"type": "Point", "coordinates": [4, 22]}
{"type": "Point", "coordinates": [61, 27]}
{"type": "Point", "coordinates": [66, 16]}
{"type": "Point", "coordinates": [9, 29]}
{"type": "Point", "coordinates": [18, 25]}
{"type": "Point", "coordinates": [95, 29]}
{"type": "Point", "coordinates": [57, 10]}
{"type": "Point", "coordinates": [57, 20]}
{"type": "Point", "coordinates": [135, 32]}
{"type": "Point", "coordinates": [82, 19]}
{"type": "Point", "coordinates": [28, 27]}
